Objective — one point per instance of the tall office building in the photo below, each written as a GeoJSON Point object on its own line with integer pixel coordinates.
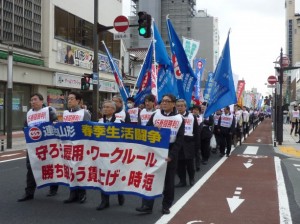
{"type": "Point", "coordinates": [179, 11]}
{"type": "Point", "coordinates": [187, 22]}
{"type": "Point", "coordinates": [52, 48]}
{"type": "Point", "coordinates": [291, 88]}
{"type": "Point", "coordinates": [292, 32]}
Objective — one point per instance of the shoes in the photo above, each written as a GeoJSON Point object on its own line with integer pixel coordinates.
{"type": "Point", "coordinates": [198, 169]}
{"type": "Point", "coordinates": [71, 199]}
{"type": "Point", "coordinates": [82, 198]}
{"type": "Point", "coordinates": [222, 154]}
{"type": "Point", "coordinates": [227, 155]}
{"type": "Point", "coordinates": [192, 182]}
{"type": "Point", "coordinates": [103, 205]}
{"type": "Point", "coordinates": [204, 162]}
{"type": "Point", "coordinates": [144, 209]}
{"type": "Point", "coordinates": [26, 197]}
{"type": "Point", "coordinates": [298, 141]}
{"type": "Point", "coordinates": [165, 211]}
{"type": "Point", "coordinates": [180, 184]}
{"type": "Point", "coordinates": [51, 193]}
{"type": "Point", "coordinates": [121, 199]}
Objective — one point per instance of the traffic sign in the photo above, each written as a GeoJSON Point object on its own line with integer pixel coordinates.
{"type": "Point", "coordinates": [119, 36]}
{"type": "Point", "coordinates": [272, 79]}
{"type": "Point", "coordinates": [271, 86]}
{"type": "Point", "coordinates": [121, 23]}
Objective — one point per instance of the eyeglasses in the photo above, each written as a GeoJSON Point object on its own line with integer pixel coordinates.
{"type": "Point", "coordinates": [166, 101]}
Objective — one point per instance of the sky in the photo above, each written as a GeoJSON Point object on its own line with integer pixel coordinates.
{"type": "Point", "coordinates": [257, 35]}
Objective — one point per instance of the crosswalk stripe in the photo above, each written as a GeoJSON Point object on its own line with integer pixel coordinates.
{"type": "Point", "coordinates": [252, 150]}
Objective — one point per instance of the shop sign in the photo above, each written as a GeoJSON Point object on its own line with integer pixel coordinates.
{"type": "Point", "coordinates": [68, 81]}
{"type": "Point", "coordinates": [80, 57]}
{"type": "Point", "coordinates": [105, 86]}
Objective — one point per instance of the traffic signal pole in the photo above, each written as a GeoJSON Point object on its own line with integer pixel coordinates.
{"type": "Point", "coordinates": [95, 65]}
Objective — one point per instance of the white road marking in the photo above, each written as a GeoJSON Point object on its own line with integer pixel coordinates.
{"type": "Point", "coordinates": [184, 199]}
{"type": "Point", "coordinates": [252, 150]}
{"type": "Point", "coordinates": [248, 164]}
{"type": "Point", "coordinates": [9, 155]}
{"type": "Point", "coordinates": [284, 208]}
{"type": "Point", "coordinates": [4, 161]}
{"type": "Point", "coordinates": [235, 201]}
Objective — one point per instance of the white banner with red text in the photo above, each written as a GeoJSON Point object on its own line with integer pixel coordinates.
{"type": "Point", "coordinates": [116, 158]}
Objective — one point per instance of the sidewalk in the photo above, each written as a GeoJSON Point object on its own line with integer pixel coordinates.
{"type": "Point", "coordinates": [289, 145]}
{"type": "Point", "coordinates": [18, 142]}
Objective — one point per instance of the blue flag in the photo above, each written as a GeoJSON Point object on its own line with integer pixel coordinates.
{"type": "Point", "coordinates": [166, 82]}
{"type": "Point", "coordinates": [199, 68]}
{"type": "Point", "coordinates": [118, 77]}
{"type": "Point", "coordinates": [184, 74]}
{"type": "Point", "coordinates": [144, 80]}
{"type": "Point", "coordinates": [208, 87]}
{"type": "Point", "coordinates": [223, 92]}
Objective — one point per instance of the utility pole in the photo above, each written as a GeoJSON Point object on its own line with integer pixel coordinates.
{"type": "Point", "coordinates": [95, 65]}
{"type": "Point", "coordinates": [9, 94]}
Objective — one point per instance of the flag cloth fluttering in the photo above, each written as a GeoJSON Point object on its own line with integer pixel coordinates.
{"type": "Point", "coordinates": [184, 73]}
{"type": "Point", "coordinates": [223, 92]}
{"type": "Point", "coordinates": [117, 75]}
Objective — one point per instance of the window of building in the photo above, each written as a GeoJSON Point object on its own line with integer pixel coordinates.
{"type": "Point", "coordinates": [21, 23]}
{"type": "Point", "coordinates": [74, 30]}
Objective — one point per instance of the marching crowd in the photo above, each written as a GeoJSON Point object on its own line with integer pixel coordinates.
{"type": "Point", "coordinates": [190, 143]}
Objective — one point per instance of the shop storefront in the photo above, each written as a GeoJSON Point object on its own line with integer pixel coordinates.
{"type": "Point", "coordinates": [64, 83]}
{"type": "Point", "coordinates": [20, 105]}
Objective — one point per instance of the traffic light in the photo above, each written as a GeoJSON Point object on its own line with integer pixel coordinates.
{"type": "Point", "coordinates": [85, 81]}
{"type": "Point", "coordinates": [145, 22]}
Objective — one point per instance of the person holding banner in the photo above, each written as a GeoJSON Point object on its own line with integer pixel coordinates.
{"type": "Point", "coordinates": [120, 113]}
{"type": "Point", "coordinates": [109, 108]}
{"type": "Point", "coordinates": [167, 117]}
{"type": "Point", "coordinates": [36, 115]}
{"type": "Point", "coordinates": [75, 114]}
{"type": "Point", "coordinates": [191, 143]}
{"type": "Point", "coordinates": [149, 109]}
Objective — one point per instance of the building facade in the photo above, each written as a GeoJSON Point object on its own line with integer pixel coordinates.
{"type": "Point", "coordinates": [52, 48]}
{"type": "Point", "coordinates": [187, 22]}
{"type": "Point", "coordinates": [291, 86]}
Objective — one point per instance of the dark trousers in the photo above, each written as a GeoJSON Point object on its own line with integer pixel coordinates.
{"type": "Point", "coordinates": [197, 158]}
{"type": "Point", "coordinates": [225, 143]}
{"type": "Point", "coordinates": [105, 197]}
{"type": "Point", "coordinates": [245, 129]}
{"type": "Point", "coordinates": [185, 165]}
{"type": "Point", "coordinates": [77, 193]}
{"type": "Point", "coordinates": [168, 193]}
{"type": "Point", "coordinates": [294, 125]}
{"type": "Point", "coordinates": [30, 181]}
{"type": "Point", "coordinates": [205, 149]}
